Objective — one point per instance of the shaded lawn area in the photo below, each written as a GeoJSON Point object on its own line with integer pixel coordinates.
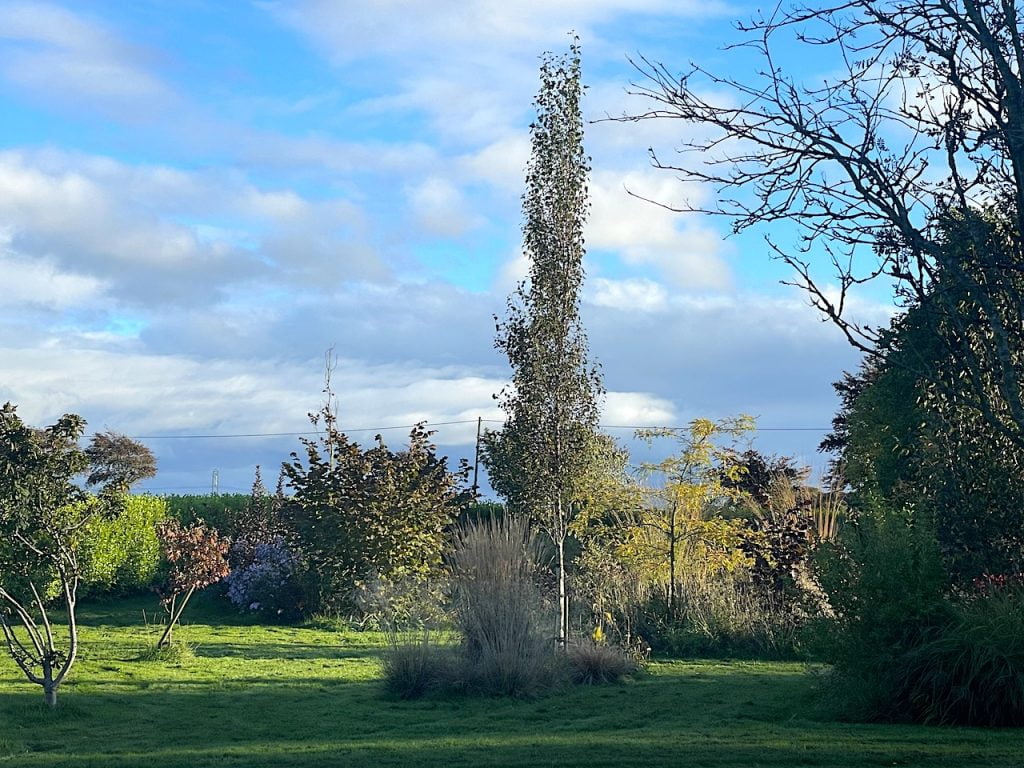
{"type": "Point", "coordinates": [295, 696]}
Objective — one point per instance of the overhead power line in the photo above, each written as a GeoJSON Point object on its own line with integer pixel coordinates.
{"type": "Point", "coordinates": [435, 424]}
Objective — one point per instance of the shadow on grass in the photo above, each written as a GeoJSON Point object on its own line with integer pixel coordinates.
{"type": "Point", "coordinates": [284, 650]}
{"type": "Point", "coordinates": [662, 720]}
{"type": "Point", "coordinates": [207, 607]}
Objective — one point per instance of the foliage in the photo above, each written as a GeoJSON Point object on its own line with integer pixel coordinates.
{"type": "Point", "coordinates": [496, 608]}
{"type": "Point", "coordinates": [121, 554]}
{"type": "Point", "coordinates": [259, 522]}
{"type": "Point", "coordinates": [480, 510]}
{"type": "Point", "coordinates": [118, 461]}
{"type": "Point", "coordinates": [43, 512]}
{"type": "Point", "coordinates": [357, 515]}
{"type": "Point", "coordinates": [756, 476]}
{"type": "Point", "coordinates": [536, 462]}
{"type": "Point", "coordinates": [197, 557]}
{"type": "Point", "coordinates": [683, 491]}
{"type": "Point", "coordinates": [267, 583]}
{"type": "Point", "coordinates": [971, 671]}
{"type": "Point", "coordinates": [593, 663]}
{"type": "Point", "coordinates": [885, 582]}
{"type": "Point", "coordinates": [723, 613]}
{"type": "Point", "coordinates": [404, 605]}
{"type": "Point", "coordinates": [668, 570]}
{"type": "Point", "coordinates": [778, 546]}
{"type": "Point", "coordinates": [218, 511]}
{"type": "Point", "coordinates": [899, 441]}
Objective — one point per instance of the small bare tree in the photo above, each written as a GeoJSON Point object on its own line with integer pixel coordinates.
{"type": "Point", "coordinates": [197, 557]}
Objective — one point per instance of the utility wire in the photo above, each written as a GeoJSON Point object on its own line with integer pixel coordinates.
{"type": "Point", "coordinates": [438, 424]}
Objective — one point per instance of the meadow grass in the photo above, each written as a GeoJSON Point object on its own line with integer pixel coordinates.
{"type": "Point", "coordinates": [296, 696]}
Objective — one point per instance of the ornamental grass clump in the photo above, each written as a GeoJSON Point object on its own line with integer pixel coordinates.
{"type": "Point", "coordinates": [496, 607]}
{"type": "Point", "coordinates": [593, 663]}
{"type": "Point", "coordinates": [971, 672]}
{"type": "Point", "coordinates": [415, 665]}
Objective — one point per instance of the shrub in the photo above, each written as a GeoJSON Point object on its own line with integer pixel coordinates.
{"type": "Point", "coordinates": [722, 613]}
{"type": "Point", "coordinates": [409, 603]}
{"type": "Point", "coordinates": [267, 585]}
{"type": "Point", "coordinates": [219, 511]}
{"type": "Point", "coordinates": [121, 554]}
{"type": "Point", "coordinates": [359, 513]}
{"type": "Point", "coordinates": [592, 663]}
{"type": "Point", "coordinates": [885, 582]}
{"type": "Point", "coordinates": [972, 671]}
{"type": "Point", "coordinates": [415, 666]}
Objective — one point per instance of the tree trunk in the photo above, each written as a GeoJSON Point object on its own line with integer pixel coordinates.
{"type": "Point", "coordinates": [563, 598]}
{"type": "Point", "coordinates": [173, 617]}
{"type": "Point", "coordinates": [672, 563]}
{"type": "Point", "coordinates": [49, 686]}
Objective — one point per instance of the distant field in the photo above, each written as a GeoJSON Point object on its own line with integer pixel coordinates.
{"type": "Point", "coordinates": [281, 696]}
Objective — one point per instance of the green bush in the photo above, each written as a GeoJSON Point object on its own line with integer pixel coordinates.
{"type": "Point", "coordinates": [886, 589]}
{"type": "Point", "coordinates": [121, 555]}
{"type": "Point", "coordinates": [971, 672]}
{"type": "Point", "coordinates": [219, 511]}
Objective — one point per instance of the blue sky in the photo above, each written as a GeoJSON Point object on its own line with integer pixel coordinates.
{"type": "Point", "coordinates": [198, 198]}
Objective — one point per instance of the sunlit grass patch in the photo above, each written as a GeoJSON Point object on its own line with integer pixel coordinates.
{"type": "Point", "coordinates": [299, 696]}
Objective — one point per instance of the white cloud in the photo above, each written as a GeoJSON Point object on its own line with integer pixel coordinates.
{"type": "Point", "coordinates": [501, 163]}
{"type": "Point", "coordinates": [41, 283]}
{"type": "Point", "coordinates": [167, 236]}
{"type": "Point", "coordinates": [440, 208]}
{"type": "Point", "coordinates": [633, 294]}
{"type": "Point", "coordinates": [644, 234]}
{"type": "Point", "coordinates": [395, 28]}
{"type": "Point", "coordinates": [55, 54]}
{"type": "Point", "coordinates": [637, 409]}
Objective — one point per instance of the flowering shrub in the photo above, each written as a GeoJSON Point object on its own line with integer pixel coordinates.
{"type": "Point", "coordinates": [267, 584]}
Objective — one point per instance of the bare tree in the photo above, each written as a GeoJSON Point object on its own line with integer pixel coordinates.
{"type": "Point", "coordinates": [907, 166]}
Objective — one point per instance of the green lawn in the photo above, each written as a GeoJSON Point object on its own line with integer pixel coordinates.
{"type": "Point", "coordinates": [281, 696]}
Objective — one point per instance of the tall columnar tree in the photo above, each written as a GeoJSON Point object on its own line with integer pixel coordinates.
{"type": "Point", "coordinates": [539, 459]}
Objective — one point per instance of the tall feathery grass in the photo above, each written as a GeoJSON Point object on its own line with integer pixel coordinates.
{"type": "Point", "coordinates": [496, 607]}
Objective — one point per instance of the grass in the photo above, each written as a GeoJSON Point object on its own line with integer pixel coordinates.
{"type": "Point", "coordinates": [294, 696]}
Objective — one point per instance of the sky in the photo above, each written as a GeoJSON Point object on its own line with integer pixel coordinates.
{"type": "Point", "coordinates": [198, 199]}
